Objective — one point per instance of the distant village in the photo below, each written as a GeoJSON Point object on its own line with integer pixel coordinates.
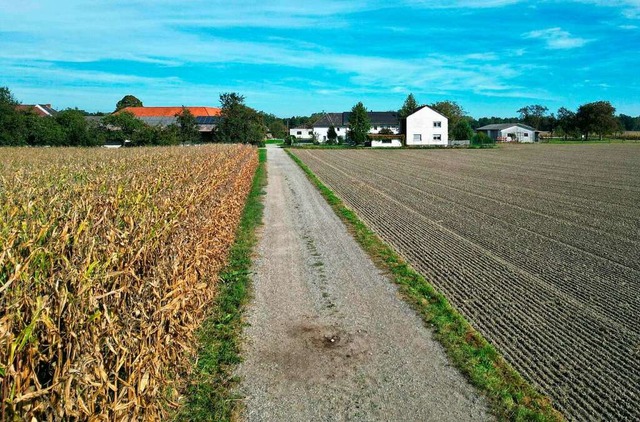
{"type": "Point", "coordinates": [440, 124]}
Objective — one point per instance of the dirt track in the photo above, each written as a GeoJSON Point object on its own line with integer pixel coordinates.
{"type": "Point", "coordinates": [536, 245]}
{"type": "Point", "coordinates": [329, 340]}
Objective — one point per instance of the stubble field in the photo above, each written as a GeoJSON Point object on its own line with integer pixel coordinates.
{"type": "Point", "coordinates": [537, 246]}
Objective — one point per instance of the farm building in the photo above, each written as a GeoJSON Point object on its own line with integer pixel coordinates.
{"type": "Point", "coordinates": [510, 132]}
{"type": "Point", "coordinates": [340, 121]}
{"type": "Point", "coordinates": [301, 132]}
{"type": "Point", "coordinates": [424, 127]}
{"type": "Point", "coordinates": [206, 117]}
{"type": "Point", "coordinates": [44, 110]}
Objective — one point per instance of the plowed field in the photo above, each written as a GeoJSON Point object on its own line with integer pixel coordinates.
{"type": "Point", "coordinates": [538, 246]}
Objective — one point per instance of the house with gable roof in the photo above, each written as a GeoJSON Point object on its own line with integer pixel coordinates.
{"type": "Point", "coordinates": [511, 132]}
{"type": "Point", "coordinates": [43, 110]}
{"type": "Point", "coordinates": [424, 127]}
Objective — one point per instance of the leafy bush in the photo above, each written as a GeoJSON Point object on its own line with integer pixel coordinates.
{"type": "Point", "coordinates": [482, 140]}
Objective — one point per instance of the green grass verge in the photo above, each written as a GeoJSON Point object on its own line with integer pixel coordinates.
{"type": "Point", "coordinates": [511, 397]}
{"type": "Point", "coordinates": [210, 396]}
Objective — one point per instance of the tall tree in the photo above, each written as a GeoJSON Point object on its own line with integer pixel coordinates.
{"type": "Point", "coordinates": [533, 115]}
{"type": "Point", "coordinates": [125, 127]}
{"type": "Point", "coordinates": [453, 112]}
{"type": "Point", "coordinates": [566, 121]}
{"type": "Point", "coordinates": [597, 117]}
{"type": "Point", "coordinates": [128, 101]}
{"type": "Point", "coordinates": [410, 105]}
{"type": "Point", "coordinates": [12, 124]}
{"type": "Point", "coordinates": [628, 122]}
{"type": "Point", "coordinates": [189, 133]}
{"type": "Point", "coordinates": [76, 128]}
{"type": "Point", "coordinates": [239, 123]}
{"type": "Point", "coordinates": [359, 124]}
{"type": "Point", "coordinates": [462, 130]}
{"type": "Point", "coordinates": [332, 135]}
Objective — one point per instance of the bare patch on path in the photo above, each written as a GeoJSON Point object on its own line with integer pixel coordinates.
{"type": "Point", "coordinates": [328, 337]}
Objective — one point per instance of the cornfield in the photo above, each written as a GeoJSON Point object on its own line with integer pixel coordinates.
{"type": "Point", "coordinates": [108, 262]}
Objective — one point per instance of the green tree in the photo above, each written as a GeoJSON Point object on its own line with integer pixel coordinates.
{"type": "Point", "coordinates": [597, 117]}
{"type": "Point", "coordinates": [42, 131]}
{"type": "Point", "coordinates": [462, 130]}
{"type": "Point", "coordinates": [278, 129]}
{"type": "Point", "coordinates": [533, 115]}
{"type": "Point", "coordinates": [482, 140]}
{"type": "Point", "coordinates": [359, 124]}
{"type": "Point", "coordinates": [189, 132]}
{"type": "Point", "coordinates": [12, 125]}
{"type": "Point", "coordinates": [239, 123]}
{"type": "Point", "coordinates": [453, 112]}
{"type": "Point", "coordinates": [125, 126]}
{"type": "Point", "coordinates": [408, 107]}
{"type": "Point", "coordinates": [128, 101]}
{"type": "Point", "coordinates": [76, 128]}
{"type": "Point", "coordinates": [332, 135]}
{"type": "Point", "coordinates": [566, 121]}
{"type": "Point", "coordinates": [628, 122]}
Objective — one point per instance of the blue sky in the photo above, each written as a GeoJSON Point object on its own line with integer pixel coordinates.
{"type": "Point", "coordinates": [295, 58]}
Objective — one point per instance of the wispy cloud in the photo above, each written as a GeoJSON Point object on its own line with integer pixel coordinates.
{"type": "Point", "coordinates": [298, 57]}
{"type": "Point", "coordinates": [557, 39]}
{"type": "Point", "coordinates": [629, 8]}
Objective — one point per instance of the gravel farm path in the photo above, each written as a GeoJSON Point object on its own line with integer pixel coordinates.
{"type": "Point", "coordinates": [329, 339]}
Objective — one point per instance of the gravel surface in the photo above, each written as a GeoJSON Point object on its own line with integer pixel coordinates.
{"type": "Point", "coordinates": [328, 337]}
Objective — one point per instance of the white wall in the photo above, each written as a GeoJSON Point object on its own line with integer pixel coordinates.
{"type": "Point", "coordinates": [322, 132]}
{"type": "Point", "coordinates": [421, 124]}
{"type": "Point", "coordinates": [521, 134]}
{"type": "Point", "coordinates": [301, 132]}
{"type": "Point", "coordinates": [387, 143]}
{"type": "Point", "coordinates": [377, 129]}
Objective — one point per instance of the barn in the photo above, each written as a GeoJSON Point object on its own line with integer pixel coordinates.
{"type": "Point", "coordinates": [510, 132]}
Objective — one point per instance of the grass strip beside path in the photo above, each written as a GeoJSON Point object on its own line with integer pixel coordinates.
{"type": "Point", "coordinates": [210, 396]}
{"type": "Point", "coordinates": [511, 397]}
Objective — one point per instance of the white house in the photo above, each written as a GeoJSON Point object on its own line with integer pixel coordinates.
{"type": "Point", "coordinates": [425, 126]}
{"type": "Point", "coordinates": [301, 132]}
{"type": "Point", "coordinates": [380, 120]}
{"type": "Point", "coordinates": [510, 132]}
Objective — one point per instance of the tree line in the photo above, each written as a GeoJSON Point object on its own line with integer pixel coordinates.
{"type": "Point", "coordinates": [71, 127]}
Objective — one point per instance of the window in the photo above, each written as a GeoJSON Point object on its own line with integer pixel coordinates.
{"type": "Point", "coordinates": [437, 137]}
{"type": "Point", "coordinates": [386, 141]}
{"type": "Point", "coordinates": [375, 128]}
{"type": "Point", "coordinates": [437, 124]}
{"type": "Point", "coordinates": [310, 132]}
{"type": "Point", "coordinates": [299, 132]}
{"type": "Point", "coordinates": [526, 135]}
{"type": "Point", "coordinates": [337, 129]}
{"type": "Point", "coordinates": [417, 137]}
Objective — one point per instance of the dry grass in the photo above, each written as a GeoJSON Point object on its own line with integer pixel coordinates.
{"type": "Point", "coordinates": [108, 262]}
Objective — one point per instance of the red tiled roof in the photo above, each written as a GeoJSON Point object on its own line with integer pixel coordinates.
{"type": "Point", "coordinates": [39, 109]}
{"type": "Point", "coordinates": [171, 111]}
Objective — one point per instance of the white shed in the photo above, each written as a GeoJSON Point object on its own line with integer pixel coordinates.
{"type": "Point", "coordinates": [425, 126]}
{"type": "Point", "coordinates": [510, 132]}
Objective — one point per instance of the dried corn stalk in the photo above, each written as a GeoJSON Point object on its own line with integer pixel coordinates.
{"type": "Point", "coordinates": [108, 262]}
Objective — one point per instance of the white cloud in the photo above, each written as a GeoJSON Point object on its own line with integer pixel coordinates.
{"type": "Point", "coordinates": [629, 8]}
{"type": "Point", "coordinates": [557, 39]}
